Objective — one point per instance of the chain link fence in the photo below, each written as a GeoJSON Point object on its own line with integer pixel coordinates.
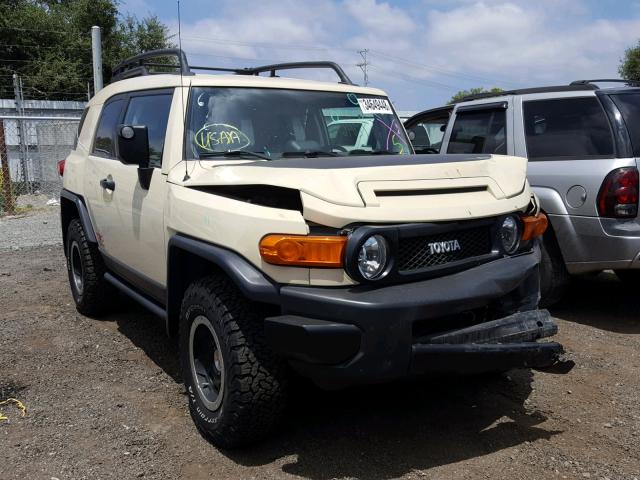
{"type": "Point", "coordinates": [30, 149]}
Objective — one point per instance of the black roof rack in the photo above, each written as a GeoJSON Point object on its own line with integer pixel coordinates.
{"type": "Point", "coordinates": [576, 85]}
{"type": "Point", "coordinates": [630, 83]}
{"type": "Point", "coordinates": [139, 65]}
{"type": "Point", "coordinates": [524, 91]}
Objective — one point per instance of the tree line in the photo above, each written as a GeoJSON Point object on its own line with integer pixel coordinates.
{"type": "Point", "coordinates": [48, 43]}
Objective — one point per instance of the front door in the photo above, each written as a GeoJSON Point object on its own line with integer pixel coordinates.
{"type": "Point", "coordinates": [426, 130]}
{"type": "Point", "coordinates": [128, 219]}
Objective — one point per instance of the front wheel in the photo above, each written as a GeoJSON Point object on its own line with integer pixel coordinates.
{"type": "Point", "coordinates": [236, 385]}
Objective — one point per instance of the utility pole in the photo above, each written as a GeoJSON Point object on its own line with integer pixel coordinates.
{"type": "Point", "coordinates": [17, 90]}
{"type": "Point", "coordinates": [96, 50]}
{"type": "Point", "coordinates": [364, 64]}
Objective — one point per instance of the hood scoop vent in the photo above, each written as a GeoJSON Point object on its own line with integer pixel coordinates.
{"type": "Point", "coordinates": [444, 192]}
{"type": "Point", "coordinates": [431, 191]}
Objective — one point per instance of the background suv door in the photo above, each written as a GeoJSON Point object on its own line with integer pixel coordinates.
{"type": "Point", "coordinates": [426, 129]}
{"type": "Point", "coordinates": [481, 127]}
{"type": "Point", "coordinates": [570, 147]}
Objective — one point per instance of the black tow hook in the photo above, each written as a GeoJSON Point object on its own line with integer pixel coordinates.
{"type": "Point", "coordinates": [559, 367]}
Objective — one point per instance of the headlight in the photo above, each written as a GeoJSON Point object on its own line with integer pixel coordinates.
{"type": "Point", "coordinates": [510, 235]}
{"type": "Point", "coordinates": [372, 257]}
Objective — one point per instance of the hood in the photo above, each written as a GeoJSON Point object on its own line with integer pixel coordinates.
{"type": "Point", "coordinates": [336, 191]}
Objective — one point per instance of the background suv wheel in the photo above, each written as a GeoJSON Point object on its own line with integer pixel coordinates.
{"type": "Point", "coordinates": [554, 278]}
{"type": "Point", "coordinates": [629, 276]}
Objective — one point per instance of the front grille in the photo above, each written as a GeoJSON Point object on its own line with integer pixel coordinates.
{"type": "Point", "coordinates": [416, 253]}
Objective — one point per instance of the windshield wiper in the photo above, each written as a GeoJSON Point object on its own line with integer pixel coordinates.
{"type": "Point", "coordinates": [234, 153]}
{"type": "Point", "coordinates": [373, 152]}
{"type": "Point", "coordinates": [309, 154]}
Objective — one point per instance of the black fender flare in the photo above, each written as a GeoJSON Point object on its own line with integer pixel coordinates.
{"type": "Point", "coordinates": [253, 284]}
{"type": "Point", "coordinates": [83, 214]}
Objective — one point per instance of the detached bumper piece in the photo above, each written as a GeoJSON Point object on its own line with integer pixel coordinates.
{"type": "Point", "coordinates": [502, 344]}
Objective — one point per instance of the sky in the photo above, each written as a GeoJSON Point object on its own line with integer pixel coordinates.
{"type": "Point", "coordinates": [420, 52]}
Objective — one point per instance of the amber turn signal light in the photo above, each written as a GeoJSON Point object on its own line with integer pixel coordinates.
{"type": "Point", "coordinates": [534, 226]}
{"type": "Point", "coordinates": [303, 250]}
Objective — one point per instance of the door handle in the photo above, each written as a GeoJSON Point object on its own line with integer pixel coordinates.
{"type": "Point", "coordinates": [108, 184]}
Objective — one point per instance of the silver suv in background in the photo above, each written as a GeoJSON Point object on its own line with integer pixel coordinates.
{"type": "Point", "coordinates": [583, 146]}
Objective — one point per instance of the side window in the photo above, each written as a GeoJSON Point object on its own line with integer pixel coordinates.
{"type": "Point", "coordinates": [479, 131]}
{"type": "Point", "coordinates": [629, 106]}
{"type": "Point", "coordinates": [426, 135]}
{"type": "Point", "coordinates": [80, 124]}
{"type": "Point", "coordinates": [104, 143]}
{"type": "Point", "coordinates": [567, 128]}
{"type": "Point", "coordinates": [153, 112]}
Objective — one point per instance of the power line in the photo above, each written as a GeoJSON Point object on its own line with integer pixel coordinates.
{"type": "Point", "coordinates": [265, 44]}
{"type": "Point", "coordinates": [38, 47]}
{"type": "Point", "coordinates": [441, 70]}
{"type": "Point", "coordinates": [11, 60]}
{"type": "Point", "coordinates": [226, 57]}
{"type": "Point", "coordinates": [422, 81]}
{"type": "Point", "coordinates": [21, 29]}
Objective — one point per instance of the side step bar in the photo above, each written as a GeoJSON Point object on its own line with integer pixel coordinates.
{"type": "Point", "coordinates": [141, 299]}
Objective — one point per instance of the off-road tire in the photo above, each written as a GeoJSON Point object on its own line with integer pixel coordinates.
{"type": "Point", "coordinates": [631, 277]}
{"type": "Point", "coordinates": [95, 295]}
{"type": "Point", "coordinates": [554, 277]}
{"type": "Point", "coordinates": [255, 380]}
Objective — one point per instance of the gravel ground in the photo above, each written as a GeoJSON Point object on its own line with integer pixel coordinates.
{"type": "Point", "coordinates": [104, 399]}
{"type": "Point", "coordinates": [31, 229]}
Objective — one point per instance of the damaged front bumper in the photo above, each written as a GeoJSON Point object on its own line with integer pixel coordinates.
{"type": "Point", "coordinates": [510, 342]}
{"type": "Point", "coordinates": [481, 319]}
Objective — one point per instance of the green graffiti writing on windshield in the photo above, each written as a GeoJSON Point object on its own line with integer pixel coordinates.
{"type": "Point", "coordinates": [398, 144]}
{"type": "Point", "coordinates": [219, 137]}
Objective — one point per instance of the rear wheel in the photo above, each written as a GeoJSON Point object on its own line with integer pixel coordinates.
{"type": "Point", "coordinates": [554, 277]}
{"type": "Point", "coordinates": [629, 276]}
{"type": "Point", "coordinates": [236, 385]}
{"type": "Point", "coordinates": [91, 293]}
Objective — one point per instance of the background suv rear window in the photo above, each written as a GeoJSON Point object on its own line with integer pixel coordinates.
{"type": "Point", "coordinates": [629, 106]}
{"type": "Point", "coordinates": [479, 131]}
{"type": "Point", "coordinates": [567, 129]}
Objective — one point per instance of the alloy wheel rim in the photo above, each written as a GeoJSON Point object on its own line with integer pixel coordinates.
{"type": "Point", "coordinates": [76, 267]}
{"type": "Point", "coordinates": [207, 364]}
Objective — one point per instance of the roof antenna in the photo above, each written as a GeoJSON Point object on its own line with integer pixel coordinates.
{"type": "Point", "coordinates": [184, 120]}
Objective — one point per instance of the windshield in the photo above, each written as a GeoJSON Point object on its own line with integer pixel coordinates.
{"type": "Point", "coordinates": [273, 123]}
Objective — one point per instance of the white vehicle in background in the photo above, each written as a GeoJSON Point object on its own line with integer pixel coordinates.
{"type": "Point", "coordinates": [351, 133]}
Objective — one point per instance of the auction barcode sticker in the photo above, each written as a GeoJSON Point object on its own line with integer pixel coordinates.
{"type": "Point", "coordinates": [375, 105]}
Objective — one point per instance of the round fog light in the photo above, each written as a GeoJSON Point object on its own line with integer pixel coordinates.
{"type": "Point", "coordinates": [510, 235]}
{"type": "Point", "coordinates": [372, 258]}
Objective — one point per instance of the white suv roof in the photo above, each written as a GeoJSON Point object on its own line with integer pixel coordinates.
{"type": "Point", "coordinates": [172, 80]}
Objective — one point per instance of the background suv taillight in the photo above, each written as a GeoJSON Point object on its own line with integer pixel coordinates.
{"type": "Point", "coordinates": [618, 197]}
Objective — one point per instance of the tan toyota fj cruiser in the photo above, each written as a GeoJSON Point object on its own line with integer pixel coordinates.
{"type": "Point", "coordinates": [223, 204]}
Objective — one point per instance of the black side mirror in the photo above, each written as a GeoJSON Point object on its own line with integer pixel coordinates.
{"type": "Point", "coordinates": [133, 147]}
